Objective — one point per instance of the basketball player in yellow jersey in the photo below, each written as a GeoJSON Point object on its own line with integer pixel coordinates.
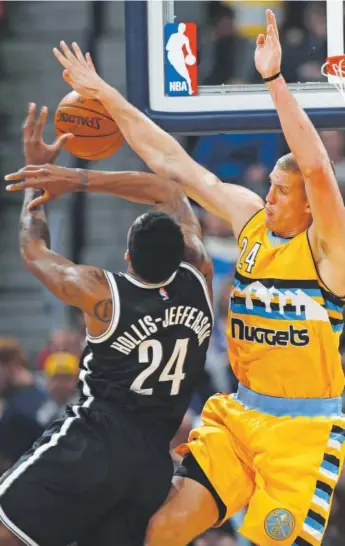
{"type": "Point", "coordinates": [276, 446]}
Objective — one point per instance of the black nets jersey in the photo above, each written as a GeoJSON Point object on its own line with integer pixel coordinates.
{"type": "Point", "coordinates": [153, 353]}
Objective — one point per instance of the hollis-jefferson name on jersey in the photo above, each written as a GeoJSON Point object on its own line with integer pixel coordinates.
{"type": "Point", "coordinates": [191, 317]}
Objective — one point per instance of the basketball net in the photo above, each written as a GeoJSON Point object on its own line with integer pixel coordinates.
{"type": "Point", "coordinates": [335, 66]}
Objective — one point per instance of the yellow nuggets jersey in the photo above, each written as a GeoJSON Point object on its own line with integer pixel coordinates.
{"type": "Point", "coordinates": [284, 325]}
{"type": "Point", "coordinates": [277, 445]}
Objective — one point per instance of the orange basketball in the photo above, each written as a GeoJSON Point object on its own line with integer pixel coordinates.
{"type": "Point", "coordinates": [96, 135]}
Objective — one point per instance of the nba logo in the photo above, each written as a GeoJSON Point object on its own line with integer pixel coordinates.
{"type": "Point", "coordinates": [180, 59]}
{"type": "Point", "coordinates": [164, 294]}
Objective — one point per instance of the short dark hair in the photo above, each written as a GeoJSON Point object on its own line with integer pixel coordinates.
{"type": "Point", "coordinates": [156, 246]}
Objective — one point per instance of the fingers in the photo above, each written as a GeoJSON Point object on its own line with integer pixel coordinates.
{"type": "Point", "coordinates": [15, 187]}
{"type": "Point", "coordinates": [44, 198]}
{"type": "Point", "coordinates": [78, 53]}
{"type": "Point", "coordinates": [61, 58]}
{"type": "Point", "coordinates": [89, 61]}
{"type": "Point", "coordinates": [269, 40]}
{"type": "Point", "coordinates": [68, 58]}
{"type": "Point", "coordinates": [260, 41]}
{"type": "Point", "coordinates": [39, 127]}
{"type": "Point", "coordinates": [29, 124]}
{"type": "Point", "coordinates": [60, 141]}
{"type": "Point", "coordinates": [29, 172]}
{"type": "Point", "coordinates": [67, 77]}
{"type": "Point", "coordinates": [67, 52]}
{"type": "Point", "coordinates": [272, 26]}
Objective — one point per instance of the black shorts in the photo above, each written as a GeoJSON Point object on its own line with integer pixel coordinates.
{"type": "Point", "coordinates": [190, 468]}
{"type": "Point", "coordinates": [100, 474]}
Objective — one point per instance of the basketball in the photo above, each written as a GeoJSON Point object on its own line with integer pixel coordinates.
{"type": "Point", "coordinates": [96, 135]}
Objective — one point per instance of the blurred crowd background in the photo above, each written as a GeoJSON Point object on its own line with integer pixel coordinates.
{"type": "Point", "coordinates": [41, 340]}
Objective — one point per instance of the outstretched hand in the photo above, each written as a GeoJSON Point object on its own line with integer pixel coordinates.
{"type": "Point", "coordinates": [53, 181]}
{"type": "Point", "coordinates": [36, 151]}
{"type": "Point", "coordinates": [79, 70]}
{"type": "Point", "coordinates": [268, 53]}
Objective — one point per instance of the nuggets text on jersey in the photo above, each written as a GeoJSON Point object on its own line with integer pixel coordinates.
{"type": "Point", "coordinates": [277, 302]}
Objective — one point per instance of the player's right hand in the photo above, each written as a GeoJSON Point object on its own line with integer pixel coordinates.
{"type": "Point", "coordinates": [52, 180]}
{"type": "Point", "coordinates": [79, 70]}
{"type": "Point", "coordinates": [36, 151]}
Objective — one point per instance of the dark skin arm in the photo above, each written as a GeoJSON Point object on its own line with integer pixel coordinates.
{"type": "Point", "coordinates": [78, 285]}
{"type": "Point", "coordinates": [81, 286]}
{"type": "Point", "coordinates": [163, 194]}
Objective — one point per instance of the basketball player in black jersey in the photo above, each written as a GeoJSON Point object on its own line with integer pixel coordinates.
{"type": "Point", "coordinates": [98, 475]}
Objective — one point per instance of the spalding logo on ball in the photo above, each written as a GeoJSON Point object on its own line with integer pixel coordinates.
{"type": "Point", "coordinates": [96, 135]}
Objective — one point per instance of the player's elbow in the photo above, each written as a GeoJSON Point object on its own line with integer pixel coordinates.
{"type": "Point", "coordinates": [318, 170]}
{"type": "Point", "coordinates": [169, 192]}
{"type": "Point", "coordinates": [30, 252]}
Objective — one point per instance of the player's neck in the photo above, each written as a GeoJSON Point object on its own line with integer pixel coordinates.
{"type": "Point", "coordinates": [285, 234]}
{"type": "Point", "coordinates": [131, 272]}
{"type": "Point", "coordinates": [290, 232]}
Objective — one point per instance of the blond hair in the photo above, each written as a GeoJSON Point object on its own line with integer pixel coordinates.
{"type": "Point", "coordinates": [289, 164]}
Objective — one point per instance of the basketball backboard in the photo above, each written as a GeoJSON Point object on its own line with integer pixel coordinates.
{"type": "Point", "coordinates": [240, 103]}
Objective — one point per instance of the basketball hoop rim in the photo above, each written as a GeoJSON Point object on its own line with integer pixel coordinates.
{"type": "Point", "coordinates": [334, 66]}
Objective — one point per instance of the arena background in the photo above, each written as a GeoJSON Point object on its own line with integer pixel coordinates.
{"type": "Point", "coordinates": [43, 339]}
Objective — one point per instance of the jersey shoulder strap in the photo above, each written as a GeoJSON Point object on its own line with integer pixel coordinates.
{"type": "Point", "coordinates": [202, 281]}
{"type": "Point", "coordinates": [256, 222]}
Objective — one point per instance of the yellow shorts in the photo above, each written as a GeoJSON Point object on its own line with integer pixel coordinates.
{"type": "Point", "coordinates": [283, 467]}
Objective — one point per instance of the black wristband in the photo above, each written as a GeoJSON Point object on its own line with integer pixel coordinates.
{"type": "Point", "coordinates": [271, 78]}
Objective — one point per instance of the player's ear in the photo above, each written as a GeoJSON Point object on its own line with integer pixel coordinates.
{"type": "Point", "coordinates": [127, 256]}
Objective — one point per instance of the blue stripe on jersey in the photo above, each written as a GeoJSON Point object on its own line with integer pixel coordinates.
{"type": "Point", "coordinates": [294, 407]}
{"type": "Point", "coordinates": [337, 327]}
{"type": "Point", "coordinates": [322, 491]}
{"type": "Point", "coordinates": [338, 437]}
{"type": "Point", "coordinates": [330, 467]}
{"type": "Point", "coordinates": [261, 312]}
{"type": "Point", "coordinates": [315, 524]}
{"type": "Point", "coordinates": [332, 307]}
{"type": "Point", "coordinates": [312, 292]}
{"type": "Point", "coordinates": [322, 495]}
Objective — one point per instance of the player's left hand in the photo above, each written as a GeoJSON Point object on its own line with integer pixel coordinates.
{"type": "Point", "coordinates": [36, 151]}
{"type": "Point", "coordinates": [80, 72]}
{"type": "Point", "coordinates": [268, 53]}
{"type": "Point", "coordinates": [52, 180]}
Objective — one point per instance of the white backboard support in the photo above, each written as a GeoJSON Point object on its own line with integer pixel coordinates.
{"type": "Point", "coordinates": [218, 108]}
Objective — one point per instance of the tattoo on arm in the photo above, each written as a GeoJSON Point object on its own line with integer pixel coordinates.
{"type": "Point", "coordinates": [103, 310]}
{"type": "Point", "coordinates": [33, 225]}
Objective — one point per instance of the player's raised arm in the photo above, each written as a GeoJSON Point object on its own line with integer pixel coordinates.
{"type": "Point", "coordinates": [160, 151]}
{"type": "Point", "coordinates": [323, 194]}
{"type": "Point", "coordinates": [50, 182]}
{"type": "Point", "coordinates": [81, 286]}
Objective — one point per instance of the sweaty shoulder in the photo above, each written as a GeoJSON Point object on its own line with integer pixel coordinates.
{"type": "Point", "coordinates": [235, 204]}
